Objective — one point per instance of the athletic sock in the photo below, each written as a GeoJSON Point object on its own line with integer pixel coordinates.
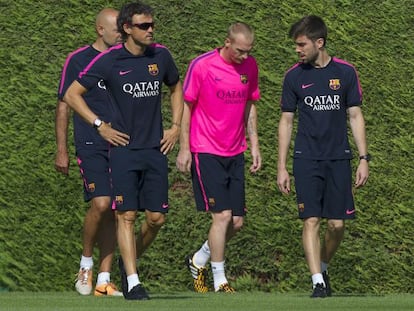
{"type": "Point", "coordinates": [219, 276]}
{"type": "Point", "coordinates": [103, 278]}
{"type": "Point", "coordinates": [133, 281]}
{"type": "Point", "coordinates": [324, 267]}
{"type": "Point", "coordinates": [317, 279]}
{"type": "Point", "coordinates": [202, 256]}
{"type": "Point", "coordinates": [86, 262]}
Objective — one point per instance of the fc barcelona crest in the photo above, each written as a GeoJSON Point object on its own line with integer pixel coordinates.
{"type": "Point", "coordinates": [153, 69]}
{"type": "Point", "coordinates": [334, 84]}
{"type": "Point", "coordinates": [91, 187]}
{"type": "Point", "coordinates": [244, 79]}
{"type": "Point", "coordinates": [119, 199]}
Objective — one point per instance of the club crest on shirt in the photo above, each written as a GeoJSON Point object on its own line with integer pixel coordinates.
{"type": "Point", "coordinates": [334, 84]}
{"type": "Point", "coordinates": [244, 79]}
{"type": "Point", "coordinates": [153, 69]}
{"type": "Point", "coordinates": [91, 187]}
{"type": "Point", "coordinates": [119, 199]}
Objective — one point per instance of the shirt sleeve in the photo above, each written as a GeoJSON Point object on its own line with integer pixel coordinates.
{"type": "Point", "coordinates": [254, 86]}
{"type": "Point", "coordinates": [69, 74]}
{"type": "Point", "coordinates": [354, 92]}
{"type": "Point", "coordinates": [288, 102]}
{"type": "Point", "coordinates": [192, 83]}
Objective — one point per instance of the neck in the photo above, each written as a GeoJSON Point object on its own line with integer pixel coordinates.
{"type": "Point", "coordinates": [134, 48]}
{"type": "Point", "coordinates": [224, 54]}
{"type": "Point", "coordinates": [323, 60]}
{"type": "Point", "coordinates": [100, 45]}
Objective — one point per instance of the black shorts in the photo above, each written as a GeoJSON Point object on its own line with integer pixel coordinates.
{"type": "Point", "coordinates": [94, 169]}
{"type": "Point", "coordinates": [218, 183]}
{"type": "Point", "coordinates": [324, 188]}
{"type": "Point", "coordinates": [139, 179]}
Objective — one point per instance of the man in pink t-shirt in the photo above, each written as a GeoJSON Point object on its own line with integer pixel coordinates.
{"type": "Point", "coordinates": [220, 91]}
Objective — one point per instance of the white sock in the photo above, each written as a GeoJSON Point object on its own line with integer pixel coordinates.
{"type": "Point", "coordinates": [133, 281]}
{"type": "Point", "coordinates": [219, 276]}
{"type": "Point", "coordinates": [324, 267]}
{"type": "Point", "coordinates": [202, 256]}
{"type": "Point", "coordinates": [86, 262]}
{"type": "Point", "coordinates": [103, 278]}
{"type": "Point", "coordinates": [317, 279]}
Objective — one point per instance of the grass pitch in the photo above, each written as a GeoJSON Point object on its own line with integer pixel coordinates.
{"type": "Point", "coordinates": [31, 301]}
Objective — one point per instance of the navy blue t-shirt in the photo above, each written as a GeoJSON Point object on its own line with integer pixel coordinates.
{"type": "Point", "coordinates": [135, 82]}
{"type": "Point", "coordinates": [321, 96]}
{"type": "Point", "coordinates": [97, 98]}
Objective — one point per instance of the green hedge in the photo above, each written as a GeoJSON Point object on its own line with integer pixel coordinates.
{"type": "Point", "coordinates": [41, 212]}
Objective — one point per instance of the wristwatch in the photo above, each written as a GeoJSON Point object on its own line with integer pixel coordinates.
{"type": "Point", "coordinates": [366, 157]}
{"type": "Point", "coordinates": [97, 123]}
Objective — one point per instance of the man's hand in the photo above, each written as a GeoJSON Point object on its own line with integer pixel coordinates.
{"type": "Point", "coordinates": [114, 137]}
{"type": "Point", "coordinates": [62, 162]}
{"type": "Point", "coordinates": [256, 161]}
{"type": "Point", "coordinates": [283, 181]}
{"type": "Point", "coordinates": [183, 161]}
{"type": "Point", "coordinates": [362, 174]}
{"type": "Point", "coordinates": [169, 139]}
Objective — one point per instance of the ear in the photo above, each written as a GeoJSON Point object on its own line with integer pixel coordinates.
{"type": "Point", "coordinates": [127, 28]}
{"type": "Point", "coordinates": [227, 42]}
{"type": "Point", "coordinates": [100, 29]}
{"type": "Point", "coordinates": [320, 42]}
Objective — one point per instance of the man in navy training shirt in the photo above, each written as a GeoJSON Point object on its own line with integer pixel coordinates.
{"type": "Point", "coordinates": [92, 157]}
{"type": "Point", "coordinates": [325, 91]}
{"type": "Point", "coordinates": [134, 73]}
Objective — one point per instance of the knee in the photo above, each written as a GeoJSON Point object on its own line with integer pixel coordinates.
{"type": "Point", "coordinates": [101, 205]}
{"type": "Point", "coordinates": [223, 218]}
{"type": "Point", "coordinates": [127, 217]}
{"type": "Point", "coordinates": [237, 223]}
{"type": "Point", "coordinates": [336, 225]}
{"type": "Point", "coordinates": [312, 222]}
{"type": "Point", "coordinates": [155, 220]}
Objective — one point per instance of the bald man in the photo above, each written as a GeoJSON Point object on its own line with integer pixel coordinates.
{"type": "Point", "coordinates": [220, 91]}
{"type": "Point", "coordinates": [92, 157]}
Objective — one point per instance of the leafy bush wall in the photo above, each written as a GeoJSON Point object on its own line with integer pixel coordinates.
{"type": "Point", "coordinates": [41, 212]}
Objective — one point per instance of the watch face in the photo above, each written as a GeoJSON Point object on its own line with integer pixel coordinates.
{"type": "Point", "coordinates": [97, 123]}
{"type": "Point", "coordinates": [365, 157]}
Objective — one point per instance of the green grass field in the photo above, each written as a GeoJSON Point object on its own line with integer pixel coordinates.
{"type": "Point", "coordinates": [203, 302]}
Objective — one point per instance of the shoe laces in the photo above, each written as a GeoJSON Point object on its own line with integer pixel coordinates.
{"type": "Point", "coordinates": [83, 275]}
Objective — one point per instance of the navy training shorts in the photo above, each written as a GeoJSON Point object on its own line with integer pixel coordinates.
{"type": "Point", "coordinates": [324, 188]}
{"type": "Point", "coordinates": [94, 169]}
{"type": "Point", "coordinates": [218, 183]}
{"type": "Point", "coordinates": [139, 179]}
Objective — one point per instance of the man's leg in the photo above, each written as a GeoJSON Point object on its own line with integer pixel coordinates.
{"type": "Point", "coordinates": [126, 243]}
{"type": "Point", "coordinates": [312, 249]}
{"type": "Point", "coordinates": [148, 231]}
{"type": "Point", "coordinates": [217, 241]}
{"type": "Point", "coordinates": [94, 218]}
{"type": "Point", "coordinates": [333, 238]}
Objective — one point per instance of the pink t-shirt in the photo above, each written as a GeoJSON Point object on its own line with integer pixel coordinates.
{"type": "Point", "coordinates": [219, 92]}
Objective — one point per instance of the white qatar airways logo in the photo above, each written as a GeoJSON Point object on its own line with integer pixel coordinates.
{"type": "Point", "coordinates": [323, 102]}
{"type": "Point", "coordinates": [142, 89]}
{"type": "Point", "coordinates": [101, 84]}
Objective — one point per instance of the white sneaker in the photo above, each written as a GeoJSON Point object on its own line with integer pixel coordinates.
{"type": "Point", "coordinates": [84, 281]}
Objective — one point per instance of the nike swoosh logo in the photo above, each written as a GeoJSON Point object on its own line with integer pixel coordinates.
{"type": "Point", "coordinates": [101, 292]}
{"type": "Point", "coordinates": [350, 212]}
{"type": "Point", "coordinates": [165, 205]}
{"type": "Point", "coordinates": [123, 73]}
{"type": "Point", "coordinates": [305, 86]}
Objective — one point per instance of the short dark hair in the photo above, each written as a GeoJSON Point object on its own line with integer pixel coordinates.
{"type": "Point", "coordinates": [128, 11]}
{"type": "Point", "coordinates": [311, 26]}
